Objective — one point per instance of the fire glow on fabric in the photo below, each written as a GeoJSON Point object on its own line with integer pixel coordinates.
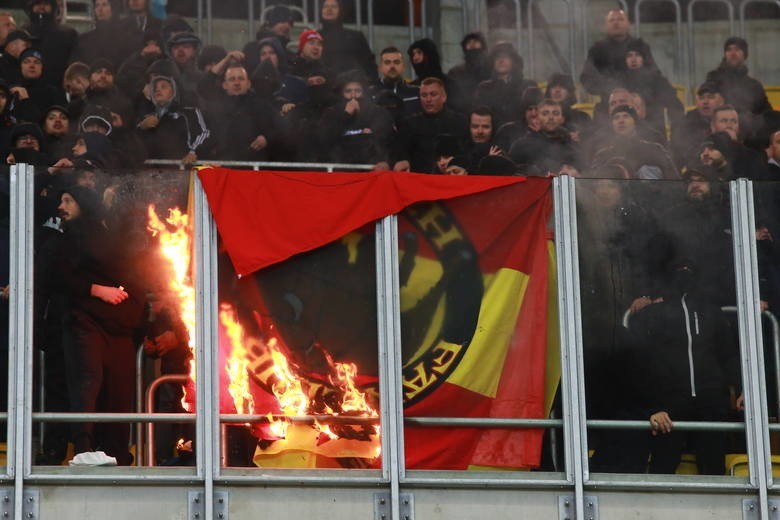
{"type": "Point", "coordinates": [176, 248]}
{"type": "Point", "coordinates": [294, 394]}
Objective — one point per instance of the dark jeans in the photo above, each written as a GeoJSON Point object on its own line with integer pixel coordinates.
{"type": "Point", "coordinates": [101, 376]}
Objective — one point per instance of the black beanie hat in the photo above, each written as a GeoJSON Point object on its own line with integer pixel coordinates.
{"type": "Point", "coordinates": [628, 109]}
{"type": "Point", "coordinates": [87, 199]}
{"type": "Point", "coordinates": [739, 42]}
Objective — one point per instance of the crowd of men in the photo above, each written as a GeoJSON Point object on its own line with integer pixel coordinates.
{"type": "Point", "coordinates": [137, 88]}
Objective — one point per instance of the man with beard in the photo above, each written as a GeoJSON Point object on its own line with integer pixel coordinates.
{"type": "Point", "coordinates": [347, 49]}
{"type": "Point", "coordinates": [416, 138]}
{"type": "Point", "coordinates": [391, 79]}
{"type": "Point", "coordinates": [103, 92]}
{"type": "Point", "coordinates": [105, 306]}
{"type": "Point", "coordinates": [355, 130]}
{"type": "Point", "coordinates": [463, 79]}
{"type": "Point", "coordinates": [55, 41]}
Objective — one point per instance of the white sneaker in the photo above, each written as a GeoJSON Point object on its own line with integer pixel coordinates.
{"type": "Point", "coordinates": [92, 458]}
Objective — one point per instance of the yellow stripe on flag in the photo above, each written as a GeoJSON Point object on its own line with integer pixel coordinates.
{"type": "Point", "coordinates": [482, 365]}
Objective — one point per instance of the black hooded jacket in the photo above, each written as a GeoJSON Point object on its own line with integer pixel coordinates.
{"type": "Point", "coordinates": [737, 88]}
{"type": "Point", "coordinates": [430, 67]}
{"type": "Point", "coordinates": [346, 49]}
{"type": "Point", "coordinates": [504, 97]}
{"type": "Point", "coordinates": [463, 79]}
{"type": "Point", "coordinates": [607, 60]}
{"type": "Point", "coordinates": [56, 42]}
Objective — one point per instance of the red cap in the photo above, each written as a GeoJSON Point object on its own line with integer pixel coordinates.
{"type": "Point", "coordinates": [306, 36]}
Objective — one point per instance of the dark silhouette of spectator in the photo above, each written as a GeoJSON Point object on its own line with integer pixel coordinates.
{"type": "Point", "coordinates": [26, 140]}
{"type": "Point", "coordinates": [103, 92]}
{"type": "Point", "coordinates": [183, 48]}
{"type": "Point", "coordinates": [607, 57]}
{"type": "Point", "coordinates": [503, 92]}
{"type": "Point", "coordinates": [106, 40]}
{"type": "Point", "coordinates": [560, 88]}
{"type": "Point", "coordinates": [278, 24]}
{"type": "Point", "coordinates": [41, 94]}
{"type": "Point", "coordinates": [136, 22]}
{"type": "Point", "coordinates": [391, 81]}
{"type": "Point", "coordinates": [463, 79]}
{"type": "Point", "coordinates": [528, 120]}
{"type": "Point", "coordinates": [425, 59]}
{"type": "Point", "coordinates": [131, 77]}
{"type": "Point", "coordinates": [7, 121]}
{"type": "Point", "coordinates": [345, 49]}
{"type": "Point", "coordinates": [725, 134]}
{"type": "Point", "coordinates": [10, 66]}
{"type": "Point", "coordinates": [55, 41]}
{"type": "Point", "coordinates": [550, 150]}
{"type": "Point", "coordinates": [695, 125]}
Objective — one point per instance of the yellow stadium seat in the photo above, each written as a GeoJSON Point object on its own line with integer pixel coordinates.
{"type": "Point", "coordinates": [542, 85]}
{"type": "Point", "coordinates": [737, 465]}
{"type": "Point", "coordinates": [585, 107]}
{"type": "Point", "coordinates": [682, 93]}
{"type": "Point", "coordinates": [773, 93]}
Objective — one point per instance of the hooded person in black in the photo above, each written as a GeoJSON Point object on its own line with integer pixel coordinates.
{"type": "Point", "coordinates": [26, 146]}
{"type": "Point", "coordinates": [16, 42]}
{"type": "Point", "coordinates": [7, 121]}
{"type": "Point", "coordinates": [106, 305]}
{"type": "Point", "coordinates": [560, 88]}
{"type": "Point", "coordinates": [346, 49]}
{"type": "Point", "coordinates": [272, 81]}
{"type": "Point", "coordinates": [278, 23]}
{"type": "Point", "coordinates": [131, 76]}
{"type": "Point", "coordinates": [55, 41]}
{"type": "Point", "coordinates": [425, 59]}
{"type": "Point", "coordinates": [549, 150]}
{"type": "Point", "coordinates": [136, 22]}
{"type": "Point", "coordinates": [527, 121]}
{"type": "Point", "coordinates": [41, 95]}
{"type": "Point", "coordinates": [504, 91]}
{"type": "Point", "coordinates": [463, 79]}
{"type": "Point", "coordinates": [740, 90]}
{"type": "Point", "coordinates": [355, 130]}
{"type": "Point", "coordinates": [104, 41]}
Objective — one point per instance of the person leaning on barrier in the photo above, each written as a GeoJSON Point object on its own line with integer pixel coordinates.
{"type": "Point", "coordinates": [688, 358]}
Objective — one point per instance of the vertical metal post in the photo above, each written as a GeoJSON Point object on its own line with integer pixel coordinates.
{"type": "Point", "coordinates": [207, 382]}
{"type": "Point", "coordinates": [371, 41]}
{"type": "Point", "coordinates": [250, 17]}
{"type": "Point", "coordinates": [209, 22]}
{"type": "Point", "coordinates": [751, 339]}
{"type": "Point", "coordinates": [572, 35]}
{"type": "Point", "coordinates": [572, 383]}
{"type": "Point", "coordinates": [20, 333]}
{"type": "Point", "coordinates": [359, 15]}
{"type": "Point", "coordinates": [519, 27]}
{"type": "Point", "coordinates": [530, 17]}
{"type": "Point", "coordinates": [410, 4]}
{"type": "Point", "coordinates": [317, 12]}
{"type": "Point", "coordinates": [139, 406]}
{"type": "Point", "coordinates": [464, 15]}
{"type": "Point", "coordinates": [389, 336]}
{"type": "Point", "coordinates": [200, 18]}
{"type": "Point", "coordinates": [679, 66]}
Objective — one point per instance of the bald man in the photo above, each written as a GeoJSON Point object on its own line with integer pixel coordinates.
{"type": "Point", "coordinates": [607, 57]}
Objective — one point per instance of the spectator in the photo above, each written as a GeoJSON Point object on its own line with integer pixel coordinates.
{"type": "Point", "coordinates": [464, 78]}
{"type": "Point", "coordinates": [7, 25]}
{"type": "Point", "coordinates": [695, 125]}
{"type": "Point", "coordinates": [458, 165]}
{"type": "Point", "coordinates": [355, 130]}
{"type": "Point", "coordinates": [773, 152]}
{"type": "Point", "coordinates": [106, 305]}
{"type": "Point", "coordinates": [347, 49]}
{"type": "Point", "coordinates": [16, 42]}
{"type": "Point", "coordinates": [510, 132]}
{"type": "Point", "coordinates": [210, 55]}
{"type": "Point", "coordinates": [560, 88]}
{"type": "Point", "coordinates": [41, 95]}
{"type": "Point", "coordinates": [131, 77]}
{"type": "Point", "coordinates": [137, 22]}
{"type": "Point", "coordinates": [425, 59]}
{"type": "Point", "coordinates": [106, 40]}
{"type": "Point", "coordinates": [272, 80]}
{"type": "Point", "coordinates": [480, 141]}
{"type": "Point", "coordinates": [278, 24]}
{"type": "Point", "coordinates": [55, 125]}
{"type": "Point", "coordinates": [308, 66]}
{"type": "Point", "coordinates": [183, 48]}
{"type": "Point", "coordinates": [643, 159]}
{"type": "Point", "coordinates": [549, 151]}
{"type": "Point", "coordinates": [744, 93]}
{"type": "Point", "coordinates": [25, 141]}
{"type": "Point", "coordinates": [503, 92]}
{"type": "Point", "coordinates": [725, 133]}
{"type": "Point", "coordinates": [102, 91]}
{"type": "Point", "coordinates": [417, 134]}
{"type": "Point", "coordinates": [655, 89]}
{"type": "Point", "coordinates": [7, 121]}
{"type": "Point", "coordinates": [245, 125]}
{"type": "Point", "coordinates": [607, 57]}
{"type": "Point", "coordinates": [55, 41]}
{"type": "Point", "coordinates": [76, 81]}
{"type": "Point", "coordinates": [391, 79]}
{"type": "Point", "coordinates": [168, 130]}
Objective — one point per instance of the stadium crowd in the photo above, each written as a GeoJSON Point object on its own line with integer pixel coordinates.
{"type": "Point", "coordinates": [135, 88]}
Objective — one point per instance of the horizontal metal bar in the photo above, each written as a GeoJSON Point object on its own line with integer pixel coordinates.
{"type": "Point", "coordinates": [60, 417]}
{"type": "Point", "coordinates": [482, 481]}
{"type": "Point", "coordinates": [263, 164]}
{"type": "Point", "coordinates": [669, 483]}
{"type": "Point", "coordinates": [298, 419]}
{"type": "Point", "coordinates": [484, 422]}
{"type": "Point", "coordinates": [678, 425]}
{"type": "Point", "coordinates": [103, 475]}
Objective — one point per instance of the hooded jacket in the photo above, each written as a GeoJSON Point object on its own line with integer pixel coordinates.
{"type": "Point", "coordinates": [346, 49]}
{"type": "Point", "coordinates": [55, 41]}
{"type": "Point", "coordinates": [463, 79]}
{"type": "Point", "coordinates": [739, 89]}
{"type": "Point", "coordinates": [504, 97]}
{"type": "Point", "coordinates": [430, 67]}
{"type": "Point", "coordinates": [607, 60]}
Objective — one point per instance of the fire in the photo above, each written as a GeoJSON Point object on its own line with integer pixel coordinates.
{"type": "Point", "coordinates": [176, 247]}
{"type": "Point", "coordinates": [295, 394]}
{"type": "Point", "coordinates": [236, 365]}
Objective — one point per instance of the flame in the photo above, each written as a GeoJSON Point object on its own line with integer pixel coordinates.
{"type": "Point", "coordinates": [176, 248]}
{"type": "Point", "coordinates": [237, 362]}
{"type": "Point", "coordinates": [295, 394]}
